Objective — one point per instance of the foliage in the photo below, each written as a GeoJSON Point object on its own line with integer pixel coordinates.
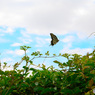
{"type": "Point", "coordinates": [75, 77]}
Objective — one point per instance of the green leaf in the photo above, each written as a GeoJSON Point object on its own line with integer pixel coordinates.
{"type": "Point", "coordinates": [54, 54]}
{"type": "Point", "coordinates": [38, 88]}
{"type": "Point", "coordinates": [33, 69]}
{"type": "Point", "coordinates": [59, 63]}
{"type": "Point", "coordinates": [47, 90]}
{"type": "Point", "coordinates": [31, 62]}
{"type": "Point", "coordinates": [24, 47]}
{"type": "Point", "coordinates": [47, 53]}
{"type": "Point", "coordinates": [67, 91]}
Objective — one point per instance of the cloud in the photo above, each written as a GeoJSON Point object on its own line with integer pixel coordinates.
{"type": "Point", "coordinates": [19, 52]}
{"type": "Point", "coordinates": [25, 34]}
{"type": "Point", "coordinates": [25, 40]}
{"type": "Point", "coordinates": [42, 17]}
{"type": "Point", "coordinates": [7, 59]}
{"type": "Point", "coordinates": [16, 44]}
{"type": "Point", "coordinates": [76, 51]}
{"type": "Point", "coordinates": [15, 52]}
{"type": "Point", "coordinates": [48, 40]}
{"type": "Point", "coordinates": [69, 47]}
{"type": "Point", "coordinates": [9, 30]}
{"type": "Point", "coordinates": [68, 39]}
{"type": "Point", "coordinates": [6, 29]}
{"type": "Point", "coordinates": [41, 42]}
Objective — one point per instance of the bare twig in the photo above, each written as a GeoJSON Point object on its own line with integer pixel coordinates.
{"type": "Point", "coordinates": [44, 57]}
{"type": "Point", "coordinates": [90, 35]}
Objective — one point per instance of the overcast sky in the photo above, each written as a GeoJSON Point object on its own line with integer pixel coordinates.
{"type": "Point", "coordinates": [30, 22]}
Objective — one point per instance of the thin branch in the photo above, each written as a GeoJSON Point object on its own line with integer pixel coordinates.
{"type": "Point", "coordinates": [44, 57]}
{"type": "Point", "coordinates": [90, 35]}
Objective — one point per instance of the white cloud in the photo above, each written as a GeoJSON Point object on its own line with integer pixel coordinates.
{"type": "Point", "coordinates": [9, 30]}
{"type": "Point", "coordinates": [43, 17]}
{"type": "Point", "coordinates": [68, 39]}
{"type": "Point", "coordinates": [21, 0]}
{"type": "Point", "coordinates": [16, 44]}
{"type": "Point", "coordinates": [41, 42]}
{"type": "Point", "coordinates": [19, 52]}
{"type": "Point", "coordinates": [81, 11]}
{"type": "Point", "coordinates": [25, 34]}
{"type": "Point", "coordinates": [7, 59]}
{"type": "Point", "coordinates": [15, 52]}
{"type": "Point", "coordinates": [25, 40]}
{"type": "Point", "coordinates": [77, 51]}
{"type": "Point", "coordinates": [9, 51]}
{"type": "Point", "coordinates": [48, 40]}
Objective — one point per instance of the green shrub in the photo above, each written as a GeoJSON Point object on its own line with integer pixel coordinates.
{"type": "Point", "coordinates": [75, 77]}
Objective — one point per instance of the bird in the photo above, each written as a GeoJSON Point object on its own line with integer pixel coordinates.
{"type": "Point", "coordinates": [54, 39]}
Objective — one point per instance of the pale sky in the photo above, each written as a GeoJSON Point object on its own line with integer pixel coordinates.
{"type": "Point", "coordinates": [30, 22]}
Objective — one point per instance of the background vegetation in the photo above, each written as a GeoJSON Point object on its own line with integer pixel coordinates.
{"type": "Point", "coordinates": [75, 77]}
